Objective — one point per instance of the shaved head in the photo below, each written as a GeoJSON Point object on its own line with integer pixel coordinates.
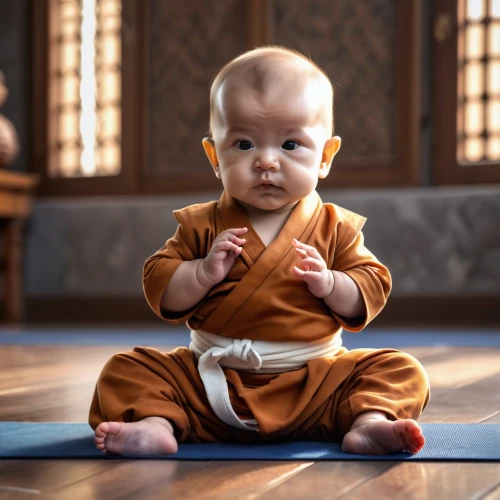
{"type": "Point", "coordinates": [269, 70]}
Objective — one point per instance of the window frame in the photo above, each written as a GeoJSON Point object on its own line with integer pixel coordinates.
{"type": "Point", "coordinates": [447, 170]}
{"type": "Point", "coordinates": [124, 182]}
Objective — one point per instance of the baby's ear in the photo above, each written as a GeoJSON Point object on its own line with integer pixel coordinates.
{"type": "Point", "coordinates": [209, 147]}
{"type": "Point", "coordinates": [331, 148]}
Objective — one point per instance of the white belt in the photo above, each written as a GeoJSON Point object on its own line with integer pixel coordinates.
{"type": "Point", "coordinates": [254, 356]}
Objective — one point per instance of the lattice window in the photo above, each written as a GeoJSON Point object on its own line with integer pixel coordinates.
{"type": "Point", "coordinates": [85, 88]}
{"type": "Point", "coordinates": [478, 116]}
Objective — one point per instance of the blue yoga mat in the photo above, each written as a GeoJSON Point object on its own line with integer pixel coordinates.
{"type": "Point", "coordinates": [179, 336]}
{"type": "Point", "coordinates": [445, 442]}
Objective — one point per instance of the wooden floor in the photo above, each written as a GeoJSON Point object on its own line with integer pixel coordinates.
{"type": "Point", "coordinates": [42, 384]}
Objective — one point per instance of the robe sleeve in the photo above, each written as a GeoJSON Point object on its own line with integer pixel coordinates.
{"type": "Point", "coordinates": [188, 243]}
{"type": "Point", "coordinates": [370, 275]}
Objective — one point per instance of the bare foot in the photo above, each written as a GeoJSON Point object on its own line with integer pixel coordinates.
{"type": "Point", "coordinates": [377, 436]}
{"type": "Point", "coordinates": [150, 436]}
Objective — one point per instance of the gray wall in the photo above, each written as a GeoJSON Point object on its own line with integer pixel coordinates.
{"type": "Point", "coordinates": [434, 240]}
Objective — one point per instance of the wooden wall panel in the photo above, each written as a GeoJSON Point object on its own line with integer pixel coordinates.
{"type": "Point", "coordinates": [354, 42]}
{"type": "Point", "coordinates": [187, 46]}
{"type": "Point", "coordinates": [370, 51]}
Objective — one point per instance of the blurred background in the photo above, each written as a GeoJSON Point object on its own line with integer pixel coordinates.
{"type": "Point", "coordinates": [100, 139]}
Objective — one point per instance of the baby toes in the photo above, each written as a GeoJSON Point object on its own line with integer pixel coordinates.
{"type": "Point", "coordinates": [417, 443]}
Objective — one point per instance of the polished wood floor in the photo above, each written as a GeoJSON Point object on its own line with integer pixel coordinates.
{"type": "Point", "coordinates": [41, 384]}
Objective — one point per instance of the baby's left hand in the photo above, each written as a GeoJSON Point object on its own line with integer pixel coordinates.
{"type": "Point", "coordinates": [318, 277]}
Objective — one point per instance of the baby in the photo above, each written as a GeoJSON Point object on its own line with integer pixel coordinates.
{"type": "Point", "coordinates": [266, 279]}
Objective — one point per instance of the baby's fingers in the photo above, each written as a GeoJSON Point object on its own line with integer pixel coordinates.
{"type": "Point", "coordinates": [307, 251]}
{"type": "Point", "coordinates": [301, 252]}
{"type": "Point", "coordinates": [311, 264]}
{"type": "Point", "coordinates": [237, 241]}
{"type": "Point", "coordinates": [239, 230]}
{"type": "Point", "coordinates": [227, 246]}
{"type": "Point", "coordinates": [305, 248]}
{"type": "Point", "coordinates": [308, 276]}
{"type": "Point", "coordinates": [232, 235]}
{"type": "Point", "coordinates": [235, 231]}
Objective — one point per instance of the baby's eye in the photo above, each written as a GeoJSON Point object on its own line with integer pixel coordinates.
{"type": "Point", "coordinates": [290, 145]}
{"type": "Point", "coordinates": [244, 145]}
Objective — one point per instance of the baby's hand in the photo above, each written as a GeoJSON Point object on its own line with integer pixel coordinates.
{"type": "Point", "coordinates": [318, 277]}
{"type": "Point", "coordinates": [226, 248]}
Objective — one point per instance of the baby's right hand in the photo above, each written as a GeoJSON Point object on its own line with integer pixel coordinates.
{"type": "Point", "coordinates": [226, 248]}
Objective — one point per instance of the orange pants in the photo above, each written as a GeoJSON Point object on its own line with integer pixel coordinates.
{"type": "Point", "coordinates": [317, 402]}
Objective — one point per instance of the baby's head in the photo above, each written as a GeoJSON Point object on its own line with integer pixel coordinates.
{"type": "Point", "coordinates": [271, 123]}
{"type": "Point", "coordinates": [270, 71]}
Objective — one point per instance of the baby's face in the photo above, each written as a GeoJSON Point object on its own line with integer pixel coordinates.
{"type": "Point", "coordinates": [270, 145]}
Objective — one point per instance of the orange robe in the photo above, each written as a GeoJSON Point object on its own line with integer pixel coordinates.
{"type": "Point", "coordinates": [261, 299]}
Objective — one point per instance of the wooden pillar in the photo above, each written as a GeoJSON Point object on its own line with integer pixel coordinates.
{"type": "Point", "coordinates": [14, 294]}
{"type": "Point", "coordinates": [260, 23]}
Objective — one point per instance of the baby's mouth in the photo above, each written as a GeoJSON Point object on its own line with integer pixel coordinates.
{"type": "Point", "coordinates": [267, 185]}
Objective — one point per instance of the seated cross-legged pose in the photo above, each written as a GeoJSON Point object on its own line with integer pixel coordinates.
{"type": "Point", "coordinates": [266, 277]}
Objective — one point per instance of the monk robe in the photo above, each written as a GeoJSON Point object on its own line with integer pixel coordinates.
{"type": "Point", "coordinates": [261, 299]}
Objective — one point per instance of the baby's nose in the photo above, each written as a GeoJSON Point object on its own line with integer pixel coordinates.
{"type": "Point", "coordinates": [267, 161]}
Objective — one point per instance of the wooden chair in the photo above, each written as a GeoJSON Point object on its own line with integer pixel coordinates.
{"type": "Point", "coordinates": [16, 195]}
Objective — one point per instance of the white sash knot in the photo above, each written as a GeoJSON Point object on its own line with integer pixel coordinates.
{"type": "Point", "coordinates": [254, 356]}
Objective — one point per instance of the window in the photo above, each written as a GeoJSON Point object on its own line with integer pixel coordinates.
{"type": "Point", "coordinates": [466, 110]}
{"type": "Point", "coordinates": [478, 117]}
{"type": "Point", "coordinates": [80, 95]}
{"type": "Point", "coordinates": [85, 78]}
